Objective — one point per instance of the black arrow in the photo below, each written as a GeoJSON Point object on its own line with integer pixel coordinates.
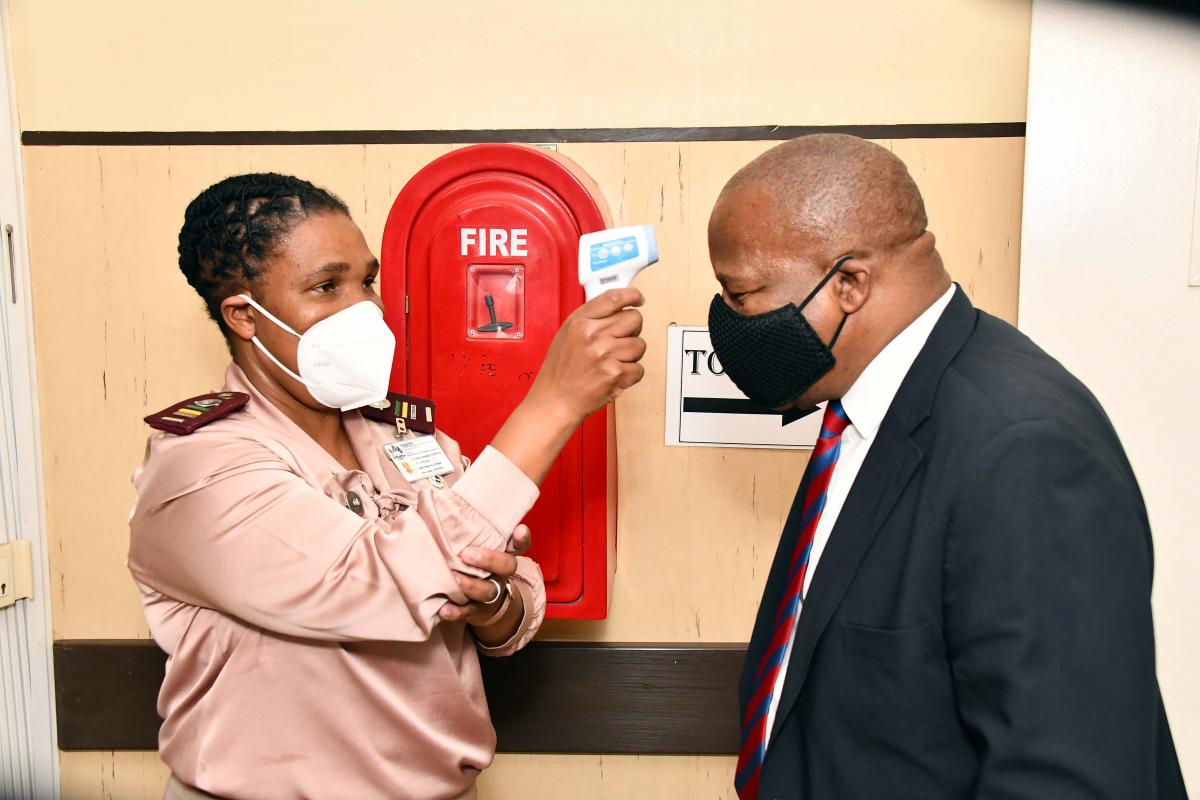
{"type": "Point", "coordinates": [724, 405]}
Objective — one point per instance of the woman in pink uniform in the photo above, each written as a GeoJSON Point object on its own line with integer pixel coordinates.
{"type": "Point", "coordinates": [321, 612]}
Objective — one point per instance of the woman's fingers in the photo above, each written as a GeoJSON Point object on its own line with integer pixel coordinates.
{"type": "Point", "coordinates": [451, 612]}
{"type": "Point", "coordinates": [611, 302]}
{"type": "Point", "coordinates": [631, 374]}
{"type": "Point", "coordinates": [481, 590]}
{"type": "Point", "coordinates": [630, 349]}
{"type": "Point", "coordinates": [521, 540]}
{"type": "Point", "coordinates": [582, 370]}
{"type": "Point", "coordinates": [482, 600]}
{"type": "Point", "coordinates": [623, 323]}
{"type": "Point", "coordinates": [496, 562]}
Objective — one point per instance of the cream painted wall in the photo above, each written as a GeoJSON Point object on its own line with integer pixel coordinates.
{"type": "Point", "coordinates": [383, 64]}
{"type": "Point", "coordinates": [135, 339]}
{"type": "Point", "coordinates": [1110, 199]}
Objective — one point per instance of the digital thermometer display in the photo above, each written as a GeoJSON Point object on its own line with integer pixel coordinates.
{"type": "Point", "coordinates": [609, 259]}
{"type": "Point", "coordinates": [607, 254]}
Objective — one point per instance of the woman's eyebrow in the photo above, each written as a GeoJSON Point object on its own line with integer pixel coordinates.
{"type": "Point", "coordinates": [333, 268]}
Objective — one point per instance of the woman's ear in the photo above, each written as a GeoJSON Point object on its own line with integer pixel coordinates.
{"type": "Point", "coordinates": [238, 316]}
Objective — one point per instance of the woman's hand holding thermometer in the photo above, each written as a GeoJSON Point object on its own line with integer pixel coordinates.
{"type": "Point", "coordinates": [594, 356]}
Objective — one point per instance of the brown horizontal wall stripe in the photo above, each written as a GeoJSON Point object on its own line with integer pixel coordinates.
{"type": "Point", "coordinates": [552, 697]}
{"type": "Point", "coordinates": [741, 133]}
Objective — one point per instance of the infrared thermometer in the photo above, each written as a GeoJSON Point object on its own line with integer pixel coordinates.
{"type": "Point", "coordinates": [609, 259]}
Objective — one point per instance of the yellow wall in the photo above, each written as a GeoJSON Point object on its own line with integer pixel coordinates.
{"type": "Point", "coordinates": [120, 333]}
{"type": "Point", "coordinates": [372, 64]}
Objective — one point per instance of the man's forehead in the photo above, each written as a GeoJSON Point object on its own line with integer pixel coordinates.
{"type": "Point", "coordinates": [743, 256]}
{"type": "Point", "coordinates": [740, 265]}
{"type": "Point", "coordinates": [750, 219]}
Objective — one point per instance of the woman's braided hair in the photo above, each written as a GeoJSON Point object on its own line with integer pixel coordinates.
{"type": "Point", "coordinates": [233, 226]}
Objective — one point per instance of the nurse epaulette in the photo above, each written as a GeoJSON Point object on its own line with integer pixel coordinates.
{"type": "Point", "coordinates": [184, 418]}
{"type": "Point", "coordinates": [415, 412]}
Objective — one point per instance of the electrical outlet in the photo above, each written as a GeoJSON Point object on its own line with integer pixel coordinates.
{"type": "Point", "coordinates": [16, 572]}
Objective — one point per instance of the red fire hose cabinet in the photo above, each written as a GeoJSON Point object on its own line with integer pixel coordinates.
{"type": "Point", "coordinates": [478, 272]}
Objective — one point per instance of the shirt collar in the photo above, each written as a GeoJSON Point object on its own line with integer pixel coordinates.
{"type": "Point", "coordinates": [273, 423]}
{"type": "Point", "coordinates": [867, 401]}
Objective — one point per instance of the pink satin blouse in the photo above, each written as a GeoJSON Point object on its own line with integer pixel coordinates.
{"type": "Point", "coordinates": [306, 656]}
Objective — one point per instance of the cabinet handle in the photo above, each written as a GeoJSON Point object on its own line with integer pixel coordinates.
{"type": "Point", "coordinates": [12, 261]}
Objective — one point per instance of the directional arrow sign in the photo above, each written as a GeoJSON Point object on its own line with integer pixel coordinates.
{"type": "Point", "coordinates": [705, 409]}
{"type": "Point", "coordinates": [722, 405]}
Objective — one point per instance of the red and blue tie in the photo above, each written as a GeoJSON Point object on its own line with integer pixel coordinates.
{"type": "Point", "coordinates": [754, 720]}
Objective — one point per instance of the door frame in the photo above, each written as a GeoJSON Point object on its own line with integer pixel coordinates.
{"type": "Point", "coordinates": [26, 670]}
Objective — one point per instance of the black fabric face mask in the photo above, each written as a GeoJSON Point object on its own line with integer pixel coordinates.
{"type": "Point", "coordinates": [773, 357]}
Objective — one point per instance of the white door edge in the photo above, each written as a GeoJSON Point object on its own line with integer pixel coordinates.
{"type": "Point", "coordinates": [28, 669]}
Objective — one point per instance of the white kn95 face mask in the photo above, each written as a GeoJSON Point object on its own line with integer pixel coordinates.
{"type": "Point", "coordinates": [345, 360]}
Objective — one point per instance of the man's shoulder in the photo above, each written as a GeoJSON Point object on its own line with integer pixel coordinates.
{"type": "Point", "coordinates": [1001, 391]}
{"type": "Point", "coordinates": [1000, 377]}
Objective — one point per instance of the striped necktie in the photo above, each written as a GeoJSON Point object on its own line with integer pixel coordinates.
{"type": "Point", "coordinates": [754, 720]}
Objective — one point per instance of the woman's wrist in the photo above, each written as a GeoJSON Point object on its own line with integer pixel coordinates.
{"type": "Point", "coordinates": [551, 410]}
{"type": "Point", "coordinates": [503, 626]}
{"type": "Point", "coordinates": [535, 433]}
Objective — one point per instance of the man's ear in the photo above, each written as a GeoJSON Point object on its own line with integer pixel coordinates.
{"type": "Point", "coordinates": [852, 285]}
{"type": "Point", "coordinates": [238, 315]}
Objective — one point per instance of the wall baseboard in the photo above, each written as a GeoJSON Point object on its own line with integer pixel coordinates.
{"type": "Point", "coordinates": [552, 697]}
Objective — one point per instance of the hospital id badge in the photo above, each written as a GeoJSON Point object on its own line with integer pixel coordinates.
{"type": "Point", "coordinates": [419, 458]}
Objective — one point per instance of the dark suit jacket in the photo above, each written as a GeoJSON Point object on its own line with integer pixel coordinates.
{"type": "Point", "coordinates": [979, 624]}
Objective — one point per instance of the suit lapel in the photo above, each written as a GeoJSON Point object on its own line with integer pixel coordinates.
{"type": "Point", "coordinates": [887, 469]}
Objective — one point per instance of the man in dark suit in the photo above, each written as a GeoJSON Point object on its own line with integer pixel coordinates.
{"type": "Point", "coordinates": [960, 603]}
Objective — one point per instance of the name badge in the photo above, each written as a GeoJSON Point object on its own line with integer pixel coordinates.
{"type": "Point", "coordinates": [419, 458]}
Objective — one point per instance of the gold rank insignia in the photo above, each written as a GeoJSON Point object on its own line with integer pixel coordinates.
{"type": "Point", "coordinates": [184, 418]}
{"type": "Point", "coordinates": [404, 411]}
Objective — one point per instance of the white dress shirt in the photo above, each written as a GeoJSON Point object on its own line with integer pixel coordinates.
{"type": "Point", "coordinates": [865, 403]}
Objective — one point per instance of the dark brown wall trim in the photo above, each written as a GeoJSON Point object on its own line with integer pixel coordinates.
{"type": "Point", "coordinates": [740, 133]}
{"type": "Point", "coordinates": [550, 698]}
